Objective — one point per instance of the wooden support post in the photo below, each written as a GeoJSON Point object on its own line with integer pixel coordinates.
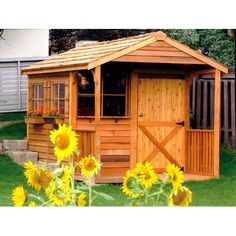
{"type": "Point", "coordinates": [134, 119]}
{"type": "Point", "coordinates": [217, 100]}
{"type": "Point", "coordinates": [72, 99]}
{"type": "Point", "coordinates": [188, 82]}
{"type": "Point", "coordinates": [97, 81]}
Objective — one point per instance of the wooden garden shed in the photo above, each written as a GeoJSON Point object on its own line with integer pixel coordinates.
{"type": "Point", "coordinates": [129, 101]}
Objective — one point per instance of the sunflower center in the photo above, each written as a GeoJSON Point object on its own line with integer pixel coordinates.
{"type": "Point", "coordinates": [146, 174]}
{"type": "Point", "coordinates": [90, 165]}
{"type": "Point", "coordinates": [179, 197]}
{"type": "Point", "coordinates": [62, 141]}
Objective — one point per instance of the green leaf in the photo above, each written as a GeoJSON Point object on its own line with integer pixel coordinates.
{"type": "Point", "coordinates": [77, 152]}
{"type": "Point", "coordinates": [104, 195]}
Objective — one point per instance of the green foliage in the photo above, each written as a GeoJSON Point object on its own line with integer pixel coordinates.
{"type": "Point", "coordinates": [214, 43]}
{"type": "Point", "coordinates": [186, 36]}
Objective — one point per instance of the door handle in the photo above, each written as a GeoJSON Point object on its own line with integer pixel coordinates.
{"type": "Point", "coordinates": [180, 123]}
{"type": "Point", "coordinates": [140, 114]}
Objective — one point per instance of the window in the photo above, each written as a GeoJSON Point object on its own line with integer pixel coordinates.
{"type": "Point", "coordinates": [37, 97]}
{"type": "Point", "coordinates": [86, 98]}
{"type": "Point", "coordinates": [58, 97]}
{"type": "Point", "coordinates": [115, 92]}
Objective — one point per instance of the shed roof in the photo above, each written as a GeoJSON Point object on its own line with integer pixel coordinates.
{"type": "Point", "coordinates": [89, 56]}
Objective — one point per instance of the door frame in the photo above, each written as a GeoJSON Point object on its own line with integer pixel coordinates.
{"type": "Point", "coordinates": [134, 109]}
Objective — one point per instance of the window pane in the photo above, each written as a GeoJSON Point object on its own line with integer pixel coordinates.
{"type": "Point", "coordinates": [114, 106]}
{"type": "Point", "coordinates": [62, 90]}
{"type": "Point", "coordinates": [34, 95]}
{"type": "Point", "coordinates": [114, 82]}
{"type": "Point", "coordinates": [40, 91]}
{"type": "Point", "coordinates": [86, 106]}
{"type": "Point", "coordinates": [62, 107]}
{"type": "Point", "coordinates": [34, 105]}
{"type": "Point", "coordinates": [55, 91]}
{"type": "Point", "coordinates": [86, 86]}
{"type": "Point", "coordinates": [55, 105]}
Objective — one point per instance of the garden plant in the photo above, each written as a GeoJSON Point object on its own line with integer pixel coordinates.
{"type": "Point", "coordinates": [141, 185]}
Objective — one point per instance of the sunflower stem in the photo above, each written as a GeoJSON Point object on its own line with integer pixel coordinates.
{"type": "Point", "coordinates": [90, 191]}
{"type": "Point", "coordinates": [36, 197]}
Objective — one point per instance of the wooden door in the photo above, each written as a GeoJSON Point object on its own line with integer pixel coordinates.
{"type": "Point", "coordinates": [161, 133]}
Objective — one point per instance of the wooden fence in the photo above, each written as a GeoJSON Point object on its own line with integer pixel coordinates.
{"type": "Point", "coordinates": [203, 106]}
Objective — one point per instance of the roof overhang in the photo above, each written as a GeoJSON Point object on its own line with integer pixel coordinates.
{"type": "Point", "coordinates": [150, 38]}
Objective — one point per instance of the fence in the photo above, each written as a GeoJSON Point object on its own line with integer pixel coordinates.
{"type": "Point", "coordinates": [203, 106]}
{"type": "Point", "coordinates": [13, 85]}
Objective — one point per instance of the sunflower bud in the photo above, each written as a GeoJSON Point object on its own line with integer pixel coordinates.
{"type": "Point", "coordinates": [58, 172]}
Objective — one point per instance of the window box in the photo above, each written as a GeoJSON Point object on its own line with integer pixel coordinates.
{"type": "Point", "coordinates": [34, 120]}
{"type": "Point", "coordinates": [54, 120]}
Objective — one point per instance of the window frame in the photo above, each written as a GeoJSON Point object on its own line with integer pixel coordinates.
{"type": "Point", "coordinates": [58, 98]}
{"type": "Point", "coordinates": [125, 95]}
{"type": "Point", "coordinates": [39, 100]}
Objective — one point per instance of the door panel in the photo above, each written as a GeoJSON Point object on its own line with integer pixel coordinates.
{"type": "Point", "coordinates": [160, 107]}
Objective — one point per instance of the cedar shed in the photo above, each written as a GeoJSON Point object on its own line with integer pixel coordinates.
{"type": "Point", "coordinates": [129, 101]}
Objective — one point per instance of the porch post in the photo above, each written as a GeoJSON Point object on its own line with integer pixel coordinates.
{"type": "Point", "coordinates": [97, 81]}
{"type": "Point", "coordinates": [217, 99]}
{"type": "Point", "coordinates": [72, 99]}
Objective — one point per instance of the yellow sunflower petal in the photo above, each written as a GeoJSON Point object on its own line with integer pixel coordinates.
{"type": "Point", "coordinates": [81, 200]}
{"type": "Point", "coordinates": [129, 181]}
{"type": "Point", "coordinates": [176, 176]}
{"type": "Point", "coordinates": [65, 142]}
{"type": "Point", "coordinates": [89, 166]}
{"type": "Point", "coordinates": [19, 196]}
{"type": "Point", "coordinates": [32, 204]}
{"type": "Point", "coordinates": [59, 194]}
{"type": "Point", "coordinates": [180, 197]}
{"type": "Point", "coordinates": [38, 178]}
{"type": "Point", "coordinates": [146, 174]}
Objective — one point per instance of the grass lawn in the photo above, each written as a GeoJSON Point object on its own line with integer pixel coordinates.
{"type": "Point", "coordinates": [15, 131]}
{"type": "Point", "coordinates": [215, 192]}
{"type": "Point", "coordinates": [12, 116]}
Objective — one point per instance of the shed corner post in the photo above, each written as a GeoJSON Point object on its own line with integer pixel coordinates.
{"type": "Point", "coordinates": [72, 99]}
{"type": "Point", "coordinates": [134, 119]}
{"type": "Point", "coordinates": [188, 82]}
{"type": "Point", "coordinates": [97, 81]}
{"type": "Point", "coordinates": [217, 99]}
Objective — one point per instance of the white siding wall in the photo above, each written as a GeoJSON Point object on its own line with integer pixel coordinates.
{"type": "Point", "coordinates": [24, 43]}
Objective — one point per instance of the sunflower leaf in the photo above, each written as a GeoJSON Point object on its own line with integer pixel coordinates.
{"type": "Point", "coordinates": [77, 152]}
{"type": "Point", "coordinates": [104, 195]}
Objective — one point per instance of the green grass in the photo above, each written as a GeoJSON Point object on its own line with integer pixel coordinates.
{"type": "Point", "coordinates": [215, 192]}
{"type": "Point", "coordinates": [12, 116]}
{"type": "Point", "coordinates": [15, 131]}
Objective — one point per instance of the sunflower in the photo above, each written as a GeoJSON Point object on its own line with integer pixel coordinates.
{"type": "Point", "coordinates": [176, 176]}
{"type": "Point", "coordinates": [146, 174]}
{"type": "Point", "coordinates": [65, 141]}
{"type": "Point", "coordinates": [19, 196]}
{"type": "Point", "coordinates": [59, 193]}
{"type": "Point", "coordinates": [32, 204]}
{"type": "Point", "coordinates": [180, 197]}
{"type": "Point", "coordinates": [81, 200]}
{"type": "Point", "coordinates": [89, 166]}
{"type": "Point", "coordinates": [38, 178]}
{"type": "Point", "coordinates": [131, 185]}
{"type": "Point", "coordinates": [66, 173]}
